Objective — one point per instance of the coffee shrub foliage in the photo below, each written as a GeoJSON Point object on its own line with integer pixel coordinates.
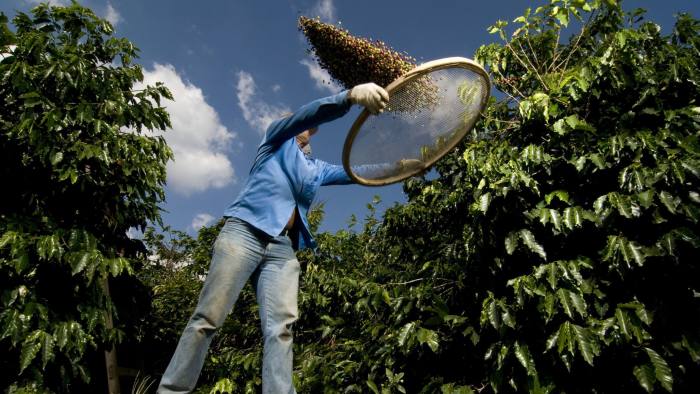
{"type": "Point", "coordinates": [556, 253]}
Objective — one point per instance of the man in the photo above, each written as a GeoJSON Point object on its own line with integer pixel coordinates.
{"type": "Point", "coordinates": [265, 224]}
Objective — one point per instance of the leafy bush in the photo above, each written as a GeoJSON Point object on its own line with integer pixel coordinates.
{"type": "Point", "coordinates": [557, 255]}
{"type": "Point", "coordinates": [76, 182]}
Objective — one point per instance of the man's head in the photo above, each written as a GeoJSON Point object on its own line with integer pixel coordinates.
{"type": "Point", "coordinates": [304, 138]}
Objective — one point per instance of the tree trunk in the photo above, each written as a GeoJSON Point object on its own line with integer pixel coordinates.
{"type": "Point", "coordinates": [111, 355]}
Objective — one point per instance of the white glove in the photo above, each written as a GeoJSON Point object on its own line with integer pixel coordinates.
{"type": "Point", "coordinates": [369, 95]}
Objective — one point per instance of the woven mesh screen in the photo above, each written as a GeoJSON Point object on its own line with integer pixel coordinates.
{"type": "Point", "coordinates": [425, 118]}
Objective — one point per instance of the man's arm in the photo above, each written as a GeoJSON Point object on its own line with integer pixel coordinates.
{"type": "Point", "coordinates": [335, 175]}
{"type": "Point", "coordinates": [369, 95]}
{"type": "Point", "coordinates": [309, 116]}
{"type": "Point", "coordinates": [332, 174]}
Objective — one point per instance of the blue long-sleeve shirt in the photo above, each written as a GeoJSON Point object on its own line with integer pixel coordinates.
{"type": "Point", "coordinates": [283, 178]}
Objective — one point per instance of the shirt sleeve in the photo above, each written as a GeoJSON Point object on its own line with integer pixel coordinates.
{"type": "Point", "coordinates": [332, 174]}
{"type": "Point", "coordinates": [335, 175]}
{"type": "Point", "coordinates": [309, 116]}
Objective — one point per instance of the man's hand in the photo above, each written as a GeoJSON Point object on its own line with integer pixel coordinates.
{"type": "Point", "coordinates": [371, 96]}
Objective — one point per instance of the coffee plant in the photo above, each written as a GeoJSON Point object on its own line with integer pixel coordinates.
{"type": "Point", "coordinates": [556, 253]}
{"type": "Point", "coordinates": [76, 181]}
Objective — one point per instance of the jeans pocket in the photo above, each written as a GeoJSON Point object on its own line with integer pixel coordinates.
{"type": "Point", "coordinates": [232, 223]}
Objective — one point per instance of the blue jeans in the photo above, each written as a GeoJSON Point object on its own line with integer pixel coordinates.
{"type": "Point", "coordinates": [242, 252]}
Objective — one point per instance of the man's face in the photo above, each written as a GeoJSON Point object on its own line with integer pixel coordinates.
{"type": "Point", "coordinates": [304, 138]}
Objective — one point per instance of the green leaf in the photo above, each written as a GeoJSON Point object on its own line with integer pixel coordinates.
{"type": "Point", "coordinates": [636, 306]}
{"type": "Point", "coordinates": [31, 99]}
{"type": "Point", "coordinates": [61, 334]}
{"type": "Point", "coordinates": [502, 354]}
{"type": "Point", "coordinates": [597, 160]}
{"type": "Point", "coordinates": [573, 121]}
{"type": "Point", "coordinates": [118, 265]}
{"type": "Point", "coordinates": [12, 325]}
{"type": "Point", "coordinates": [646, 198]}
{"type": "Point", "coordinates": [670, 202]}
{"type": "Point", "coordinates": [522, 353]}
{"type": "Point", "coordinates": [428, 337]}
{"type": "Point", "coordinates": [549, 303]}
{"type": "Point", "coordinates": [525, 108]}
{"type": "Point", "coordinates": [599, 203]}
{"type": "Point", "coordinates": [223, 386]}
{"type": "Point", "coordinates": [79, 262]}
{"type": "Point", "coordinates": [556, 218]}
{"type": "Point", "coordinates": [560, 128]}
{"type": "Point", "coordinates": [573, 217]}
{"type": "Point", "coordinates": [507, 318]}
{"type": "Point", "coordinates": [645, 376]}
{"type": "Point", "coordinates": [511, 242]}
{"type": "Point", "coordinates": [625, 206]}
{"type": "Point", "coordinates": [563, 16]}
{"type": "Point", "coordinates": [56, 158]}
{"type": "Point", "coordinates": [565, 338]}
{"type": "Point", "coordinates": [385, 294]}
{"type": "Point", "coordinates": [373, 386]}
{"type": "Point", "coordinates": [535, 154]}
{"type": "Point", "coordinates": [405, 332]}
{"type": "Point", "coordinates": [552, 340]}
{"type": "Point", "coordinates": [561, 195]}
{"type": "Point", "coordinates": [47, 346]}
{"type": "Point", "coordinates": [30, 348]}
{"type": "Point", "coordinates": [586, 343]}
{"type": "Point", "coordinates": [690, 167]}
{"type": "Point", "coordinates": [484, 202]}
{"type": "Point", "coordinates": [452, 389]}
{"type": "Point", "coordinates": [92, 317]}
{"type": "Point", "coordinates": [623, 322]}
{"type": "Point", "coordinates": [8, 238]}
{"type": "Point", "coordinates": [578, 302]}
{"type": "Point", "coordinates": [694, 196]}
{"type": "Point", "coordinates": [579, 163]}
{"type": "Point", "coordinates": [661, 369]}
{"type": "Point", "coordinates": [565, 302]}
{"type": "Point", "coordinates": [490, 309]}
{"type": "Point", "coordinates": [529, 240]}
{"type": "Point", "coordinates": [635, 251]}
{"type": "Point", "coordinates": [620, 246]}
{"type": "Point", "coordinates": [693, 348]}
{"type": "Point", "coordinates": [49, 247]}
{"type": "Point", "coordinates": [643, 314]}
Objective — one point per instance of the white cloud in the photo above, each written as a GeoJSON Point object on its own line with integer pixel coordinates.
{"type": "Point", "coordinates": [276, 88]}
{"type": "Point", "coordinates": [325, 10]}
{"type": "Point", "coordinates": [198, 139]}
{"type": "Point", "coordinates": [256, 112]}
{"type": "Point", "coordinates": [320, 76]}
{"type": "Point", "coordinates": [112, 15]}
{"type": "Point", "coordinates": [201, 220]}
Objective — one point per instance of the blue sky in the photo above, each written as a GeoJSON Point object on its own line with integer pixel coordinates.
{"type": "Point", "coordinates": [234, 65]}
